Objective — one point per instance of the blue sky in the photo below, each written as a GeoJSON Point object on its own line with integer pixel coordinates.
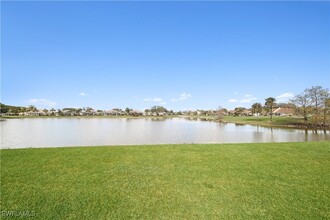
{"type": "Point", "coordinates": [182, 55]}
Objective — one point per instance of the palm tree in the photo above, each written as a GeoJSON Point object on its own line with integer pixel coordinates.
{"type": "Point", "coordinates": [256, 108]}
{"type": "Point", "coordinates": [270, 102]}
{"type": "Point", "coordinates": [32, 108]}
{"type": "Point", "coordinates": [52, 111]}
{"type": "Point", "coordinates": [78, 111]}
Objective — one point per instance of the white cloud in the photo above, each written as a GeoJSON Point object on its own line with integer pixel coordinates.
{"type": "Point", "coordinates": [245, 101]}
{"type": "Point", "coordinates": [153, 99]}
{"type": "Point", "coordinates": [232, 100]}
{"type": "Point", "coordinates": [41, 102]}
{"type": "Point", "coordinates": [284, 97]}
{"type": "Point", "coordinates": [182, 96]}
{"type": "Point", "coordinates": [157, 99]}
{"type": "Point", "coordinates": [248, 100]}
{"type": "Point", "coordinates": [83, 94]}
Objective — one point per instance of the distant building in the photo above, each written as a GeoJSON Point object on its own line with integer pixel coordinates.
{"type": "Point", "coordinates": [246, 112]}
{"type": "Point", "coordinates": [8, 114]}
{"type": "Point", "coordinates": [31, 113]}
{"type": "Point", "coordinates": [136, 113]}
{"type": "Point", "coordinates": [283, 111]}
{"type": "Point", "coordinates": [112, 112]}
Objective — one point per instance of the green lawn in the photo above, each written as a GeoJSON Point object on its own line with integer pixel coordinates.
{"type": "Point", "coordinates": [220, 181]}
{"type": "Point", "coordinates": [277, 121]}
{"type": "Point", "coordinates": [264, 120]}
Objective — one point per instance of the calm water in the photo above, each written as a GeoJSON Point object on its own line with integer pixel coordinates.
{"type": "Point", "coordinates": [53, 132]}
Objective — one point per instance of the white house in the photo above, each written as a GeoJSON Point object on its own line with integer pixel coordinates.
{"type": "Point", "coordinates": [283, 111]}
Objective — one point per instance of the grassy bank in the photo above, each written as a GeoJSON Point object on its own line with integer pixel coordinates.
{"type": "Point", "coordinates": [228, 181]}
{"type": "Point", "coordinates": [264, 121]}
{"type": "Point", "coordinates": [277, 121]}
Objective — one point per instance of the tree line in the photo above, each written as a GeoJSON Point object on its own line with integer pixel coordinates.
{"type": "Point", "coordinates": [312, 106]}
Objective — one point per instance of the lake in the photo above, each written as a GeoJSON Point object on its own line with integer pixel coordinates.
{"type": "Point", "coordinates": [56, 132]}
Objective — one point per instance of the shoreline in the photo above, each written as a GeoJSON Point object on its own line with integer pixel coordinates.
{"type": "Point", "coordinates": [278, 121]}
{"type": "Point", "coordinates": [162, 145]}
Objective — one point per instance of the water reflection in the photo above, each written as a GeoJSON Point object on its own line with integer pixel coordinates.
{"type": "Point", "coordinates": [238, 124]}
{"type": "Point", "coordinates": [257, 135]}
{"type": "Point", "coordinates": [50, 132]}
{"type": "Point", "coordinates": [159, 119]}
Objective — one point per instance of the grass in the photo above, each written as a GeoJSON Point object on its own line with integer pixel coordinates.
{"type": "Point", "coordinates": [291, 122]}
{"type": "Point", "coordinates": [227, 181]}
{"type": "Point", "coordinates": [263, 120]}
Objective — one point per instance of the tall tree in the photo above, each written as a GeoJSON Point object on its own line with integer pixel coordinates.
{"type": "Point", "coordinates": [59, 112]}
{"type": "Point", "coordinates": [220, 112]}
{"type": "Point", "coordinates": [326, 112]}
{"type": "Point", "coordinates": [318, 97]}
{"type": "Point", "coordinates": [89, 109]}
{"type": "Point", "coordinates": [128, 110]}
{"type": "Point", "coordinates": [32, 108]}
{"type": "Point", "coordinates": [313, 101]}
{"type": "Point", "coordinates": [52, 111]}
{"type": "Point", "coordinates": [256, 108]}
{"type": "Point", "coordinates": [302, 103]}
{"type": "Point", "coordinates": [157, 109]}
{"type": "Point", "coordinates": [270, 103]}
{"type": "Point", "coordinates": [239, 111]}
{"type": "Point", "coordinates": [325, 106]}
{"type": "Point", "coordinates": [78, 111]}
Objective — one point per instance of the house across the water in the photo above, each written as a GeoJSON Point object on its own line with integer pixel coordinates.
{"type": "Point", "coordinates": [283, 111]}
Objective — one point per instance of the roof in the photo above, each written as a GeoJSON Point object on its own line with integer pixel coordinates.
{"type": "Point", "coordinates": [136, 111]}
{"type": "Point", "coordinates": [246, 111]}
{"type": "Point", "coordinates": [112, 111]}
{"type": "Point", "coordinates": [286, 111]}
